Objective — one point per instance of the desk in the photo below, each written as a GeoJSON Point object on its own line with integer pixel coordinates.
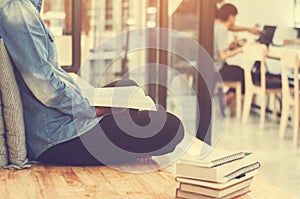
{"type": "Point", "coordinates": [275, 52]}
{"type": "Point", "coordinates": [276, 55]}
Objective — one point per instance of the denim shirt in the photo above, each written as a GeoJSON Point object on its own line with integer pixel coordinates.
{"type": "Point", "coordinates": [54, 109]}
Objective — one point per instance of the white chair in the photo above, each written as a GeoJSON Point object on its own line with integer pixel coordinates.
{"type": "Point", "coordinates": [262, 87]}
{"type": "Point", "coordinates": [290, 94]}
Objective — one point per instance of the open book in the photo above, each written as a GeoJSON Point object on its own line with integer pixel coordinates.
{"type": "Point", "coordinates": [119, 97]}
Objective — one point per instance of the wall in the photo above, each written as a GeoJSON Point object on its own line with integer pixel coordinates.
{"type": "Point", "coordinates": [269, 12]}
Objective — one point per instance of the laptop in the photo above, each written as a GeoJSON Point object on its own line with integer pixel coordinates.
{"type": "Point", "coordinates": [267, 35]}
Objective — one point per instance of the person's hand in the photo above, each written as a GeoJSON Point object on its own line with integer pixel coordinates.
{"type": "Point", "coordinates": [242, 42]}
{"type": "Point", "coordinates": [237, 43]}
{"type": "Point", "coordinates": [255, 31]}
{"type": "Point", "coordinates": [233, 45]}
{"type": "Point", "coordinates": [108, 111]}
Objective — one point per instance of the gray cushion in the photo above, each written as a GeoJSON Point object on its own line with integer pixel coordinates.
{"type": "Point", "coordinates": [3, 150]}
{"type": "Point", "coordinates": [12, 110]}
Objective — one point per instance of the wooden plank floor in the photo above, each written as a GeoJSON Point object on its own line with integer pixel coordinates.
{"type": "Point", "coordinates": [53, 182]}
{"type": "Point", "coordinates": [85, 182]}
{"type": "Point", "coordinates": [147, 181]}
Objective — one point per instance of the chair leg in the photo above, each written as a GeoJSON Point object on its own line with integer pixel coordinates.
{"type": "Point", "coordinates": [284, 119]}
{"type": "Point", "coordinates": [296, 132]}
{"type": "Point", "coordinates": [274, 112]}
{"type": "Point", "coordinates": [267, 100]}
{"type": "Point", "coordinates": [247, 106]}
{"type": "Point", "coordinates": [238, 101]}
{"type": "Point", "coordinates": [263, 110]}
{"type": "Point", "coordinates": [296, 125]}
{"type": "Point", "coordinates": [232, 108]}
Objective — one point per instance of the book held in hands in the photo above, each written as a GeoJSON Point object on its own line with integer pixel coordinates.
{"type": "Point", "coordinates": [119, 97]}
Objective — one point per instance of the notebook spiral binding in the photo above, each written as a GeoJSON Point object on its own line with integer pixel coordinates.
{"type": "Point", "coordinates": [229, 158]}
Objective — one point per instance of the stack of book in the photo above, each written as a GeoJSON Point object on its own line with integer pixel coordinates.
{"type": "Point", "coordinates": [220, 174]}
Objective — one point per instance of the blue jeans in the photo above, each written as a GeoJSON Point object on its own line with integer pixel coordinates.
{"type": "Point", "coordinates": [81, 151]}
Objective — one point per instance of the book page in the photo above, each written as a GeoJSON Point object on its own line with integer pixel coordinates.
{"type": "Point", "coordinates": [119, 97]}
{"type": "Point", "coordinates": [123, 97]}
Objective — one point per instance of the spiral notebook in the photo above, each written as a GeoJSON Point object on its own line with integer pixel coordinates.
{"type": "Point", "coordinates": [214, 158]}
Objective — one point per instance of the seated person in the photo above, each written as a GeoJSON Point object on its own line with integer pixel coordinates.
{"type": "Point", "coordinates": [61, 127]}
{"type": "Point", "coordinates": [223, 50]}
